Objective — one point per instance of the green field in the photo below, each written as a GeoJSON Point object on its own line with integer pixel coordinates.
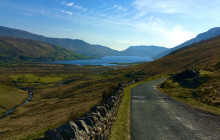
{"type": "Point", "coordinates": [33, 78]}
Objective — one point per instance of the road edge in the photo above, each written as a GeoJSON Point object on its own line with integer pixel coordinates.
{"type": "Point", "coordinates": [121, 127]}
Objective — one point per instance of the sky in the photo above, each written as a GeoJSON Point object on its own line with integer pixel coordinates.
{"type": "Point", "coordinates": [117, 24]}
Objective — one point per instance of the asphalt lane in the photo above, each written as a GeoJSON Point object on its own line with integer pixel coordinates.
{"type": "Point", "coordinates": [155, 116]}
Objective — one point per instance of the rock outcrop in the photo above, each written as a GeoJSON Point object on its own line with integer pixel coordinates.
{"type": "Point", "coordinates": [188, 78]}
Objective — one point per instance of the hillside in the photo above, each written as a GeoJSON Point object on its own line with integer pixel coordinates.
{"type": "Point", "coordinates": [203, 36]}
{"type": "Point", "coordinates": [202, 55]}
{"type": "Point", "coordinates": [82, 47]}
{"type": "Point", "coordinates": [12, 49]}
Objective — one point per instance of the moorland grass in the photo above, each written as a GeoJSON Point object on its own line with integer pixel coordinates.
{"type": "Point", "coordinates": [10, 97]}
{"type": "Point", "coordinates": [54, 104]}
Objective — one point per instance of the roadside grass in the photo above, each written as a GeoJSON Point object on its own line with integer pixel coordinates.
{"type": "Point", "coordinates": [183, 95]}
{"type": "Point", "coordinates": [10, 97]}
{"type": "Point", "coordinates": [121, 127]}
{"type": "Point", "coordinates": [205, 97]}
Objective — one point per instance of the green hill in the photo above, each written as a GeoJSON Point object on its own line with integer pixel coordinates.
{"type": "Point", "coordinates": [12, 49]}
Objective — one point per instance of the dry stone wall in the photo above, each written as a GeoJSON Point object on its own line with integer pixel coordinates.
{"type": "Point", "coordinates": [95, 125]}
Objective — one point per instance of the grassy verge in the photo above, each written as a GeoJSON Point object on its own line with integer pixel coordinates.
{"type": "Point", "coordinates": [121, 127]}
{"type": "Point", "coordinates": [179, 94]}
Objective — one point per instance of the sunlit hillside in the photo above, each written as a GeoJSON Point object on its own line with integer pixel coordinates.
{"type": "Point", "coordinates": [12, 49]}
{"type": "Point", "coordinates": [203, 55]}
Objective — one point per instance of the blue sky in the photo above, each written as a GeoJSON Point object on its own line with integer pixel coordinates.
{"type": "Point", "coordinates": [117, 24]}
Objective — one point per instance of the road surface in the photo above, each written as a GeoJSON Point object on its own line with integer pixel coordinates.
{"type": "Point", "coordinates": [154, 116]}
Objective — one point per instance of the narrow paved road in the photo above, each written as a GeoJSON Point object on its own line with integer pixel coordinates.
{"type": "Point", "coordinates": [154, 116]}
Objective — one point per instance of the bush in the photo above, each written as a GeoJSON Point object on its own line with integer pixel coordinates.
{"type": "Point", "coordinates": [108, 93]}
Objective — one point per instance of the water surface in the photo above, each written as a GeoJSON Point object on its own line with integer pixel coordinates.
{"type": "Point", "coordinates": [106, 61]}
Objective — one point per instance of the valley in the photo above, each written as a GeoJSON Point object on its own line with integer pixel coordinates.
{"type": "Point", "coordinates": [109, 70]}
{"type": "Point", "coordinates": [65, 91]}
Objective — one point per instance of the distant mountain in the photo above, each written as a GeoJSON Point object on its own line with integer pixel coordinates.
{"type": "Point", "coordinates": [12, 49]}
{"type": "Point", "coordinates": [82, 47]}
{"type": "Point", "coordinates": [75, 45]}
{"type": "Point", "coordinates": [203, 36]}
{"type": "Point", "coordinates": [144, 51]}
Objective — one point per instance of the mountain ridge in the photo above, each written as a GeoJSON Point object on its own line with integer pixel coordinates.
{"type": "Point", "coordinates": [76, 45]}
{"type": "Point", "coordinates": [143, 50]}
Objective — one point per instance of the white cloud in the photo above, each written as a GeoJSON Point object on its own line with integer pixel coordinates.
{"type": "Point", "coordinates": [67, 12]}
{"type": "Point", "coordinates": [160, 6]}
{"type": "Point", "coordinates": [183, 8]}
{"type": "Point", "coordinates": [171, 6]}
{"type": "Point", "coordinates": [67, 4]}
{"type": "Point", "coordinates": [71, 4]}
{"type": "Point", "coordinates": [80, 8]}
{"type": "Point", "coordinates": [118, 7]}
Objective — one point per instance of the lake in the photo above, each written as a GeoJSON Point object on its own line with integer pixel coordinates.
{"type": "Point", "coordinates": [106, 61]}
